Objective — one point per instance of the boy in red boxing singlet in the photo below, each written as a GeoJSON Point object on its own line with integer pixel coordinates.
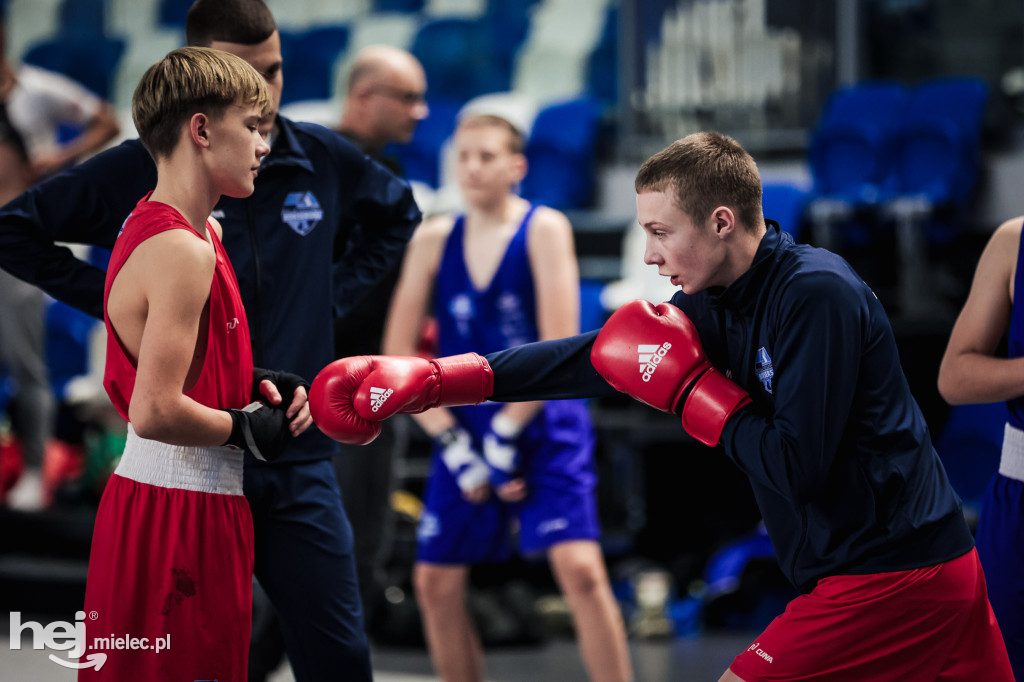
{"type": "Point", "coordinates": [172, 552]}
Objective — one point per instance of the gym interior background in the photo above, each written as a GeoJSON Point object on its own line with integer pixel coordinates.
{"type": "Point", "coordinates": [891, 131]}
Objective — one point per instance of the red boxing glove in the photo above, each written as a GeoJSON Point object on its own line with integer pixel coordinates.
{"type": "Point", "coordinates": [350, 395]}
{"type": "Point", "coordinates": [654, 354]}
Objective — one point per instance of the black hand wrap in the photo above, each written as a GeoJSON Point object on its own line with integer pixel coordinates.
{"type": "Point", "coordinates": [260, 429]}
{"type": "Point", "coordinates": [286, 384]}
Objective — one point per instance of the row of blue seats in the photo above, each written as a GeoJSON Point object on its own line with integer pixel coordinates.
{"type": "Point", "coordinates": [879, 139]}
{"type": "Point", "coordinates": [462, 57]}
{"type": "Point", "coordinates": [560, 149]}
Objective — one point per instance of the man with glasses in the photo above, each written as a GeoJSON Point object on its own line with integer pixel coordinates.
{"type": "Point", "coordinates": [385, 102]}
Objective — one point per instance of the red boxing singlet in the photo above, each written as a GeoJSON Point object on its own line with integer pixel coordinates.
{"type": "Point", "coordinates": [172, 549]}
{"type": "Point", "coordinates": [226, 377]}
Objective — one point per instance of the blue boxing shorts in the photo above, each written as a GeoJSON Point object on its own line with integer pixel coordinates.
{"type": "Point", "coordinates": [1000, 543]}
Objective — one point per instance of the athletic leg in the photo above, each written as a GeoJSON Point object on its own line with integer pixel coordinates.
{"type": "Point", "coordinates": [579, 569]}
{"type": "Point", "coordinates": [454, 645]}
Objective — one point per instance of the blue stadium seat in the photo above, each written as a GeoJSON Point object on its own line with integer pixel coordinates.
{"type": "Point", "coordinates": [90, 60]}
{"type": "Point", "coordinates": [459, 61]}
{"type": "Point", "coordinates": [851, 150]}
{"type": "Point", "coordinates": [603, 64]}
{"type": "Point", "coordinates": [172, 13]}
{"type": "Point", "coordinates": [940, 148]}
{"type": "Point", "coordinates": [508, 23]}
{"type": "Point", "coordinates": [421, 157]}
{"type": "Point", "coordinates": [561, 154]}
{"type": "Point", "coordinates": [309, 58]}
{"type": "Point", "coordinates": [785, 203]}
{"type": "Point", "coordinates": [82, 16]}
{"type": "Point", "coordinates": [397, 5]}
{"type": "Point", "coordinates": [969, 446]}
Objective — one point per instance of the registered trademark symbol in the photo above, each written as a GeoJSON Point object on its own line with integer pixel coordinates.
{"type": "Point", "coordinates": [93, 615]}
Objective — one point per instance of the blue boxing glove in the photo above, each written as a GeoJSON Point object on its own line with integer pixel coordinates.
{"type": "Point", "coordinates": [500, 449]}
{"type": "Point", "coordinates": [467, 467]}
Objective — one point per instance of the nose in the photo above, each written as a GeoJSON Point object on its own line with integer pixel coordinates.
{"type": "Point", "coordinates": [262, 148]}
{"type": "Point", "coordinates": [420, 111]}
{"type": "Point", "coordinates": [651, 255]}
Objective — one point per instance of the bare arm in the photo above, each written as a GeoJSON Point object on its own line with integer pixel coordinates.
{"type": "Point", "coordinates": [172, 272]}
{"type": "Point", "coordinates": [101, 129]}
{"type": "Point", "coordinates": [411, 301]}
{"type": "Point", "coordinates": [970, 373]}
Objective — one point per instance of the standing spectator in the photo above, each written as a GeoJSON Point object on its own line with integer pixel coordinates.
{"type": "Point", "coordinates": [386, 100]}
{"type": "Point", "coordinates": [502, 275]}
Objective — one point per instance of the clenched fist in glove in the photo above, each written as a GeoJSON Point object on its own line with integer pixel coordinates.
{"type": "Point", "coordinates": [350, 395]}
{"type": "Point", "coordinates": [654, 354]}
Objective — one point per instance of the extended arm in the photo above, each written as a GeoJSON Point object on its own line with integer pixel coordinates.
{"type": "Point", "coordinates": [101, 128]}
{"type": "Point", "coordinates": [86, 204]}
{"type": "Point", "coordinates": [970, 372]}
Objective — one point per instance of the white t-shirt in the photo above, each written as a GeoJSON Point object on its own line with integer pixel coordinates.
{"type": "Point", "coordinates": [41, 100]}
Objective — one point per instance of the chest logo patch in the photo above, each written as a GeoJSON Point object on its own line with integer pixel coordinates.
{"type": "Point", "coordinates": [764, 369]}
{"type": "Point", "coordinates": [302, 212]}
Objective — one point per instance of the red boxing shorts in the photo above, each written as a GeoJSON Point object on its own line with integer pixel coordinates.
{"type": "Point", "coordinates": [169, 592]}
{"type": "Point", "coordinates": [929, 624]}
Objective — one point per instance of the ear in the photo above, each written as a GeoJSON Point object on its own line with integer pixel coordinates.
{"type": "Point", "coordinates": [520, 165]}
{"type": "Point", "coordinates": [723, 220]}
{"type": "Point", "coordinates": [199, 130]}
{"type": "Point", "coordinates": [361, 91]}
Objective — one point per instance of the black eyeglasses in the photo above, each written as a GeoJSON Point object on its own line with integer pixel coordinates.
{"type": "Point", "coordinates": [406, 97]}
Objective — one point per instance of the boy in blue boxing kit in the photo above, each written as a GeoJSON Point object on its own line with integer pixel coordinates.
{"type": "Point", "coordinates": [501, 275]}
{"type": "Point", "coordinates": [783, 356]}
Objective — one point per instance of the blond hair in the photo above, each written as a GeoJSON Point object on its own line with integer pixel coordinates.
{"type": "Point", "coordinates": [515, 137]}
{"type": "Point", "coordinates": [187, 81]}
{"type": "Point", "coordinates": [704, 171]}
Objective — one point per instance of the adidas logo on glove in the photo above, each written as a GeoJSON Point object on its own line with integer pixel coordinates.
{"type": "Point", "coordinates": [650, 357]}
{"type": "Point", "coordinates": [378, 396]}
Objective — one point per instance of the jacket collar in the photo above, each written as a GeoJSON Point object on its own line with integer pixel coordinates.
{"type": "Point", "coordinates": [742, 293]}
{"type": "Point", "coordinates": [286, 149]}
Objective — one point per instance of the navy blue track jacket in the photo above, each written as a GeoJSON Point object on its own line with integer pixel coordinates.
{"type": "Point", "coordinates": [836, 449]}
{"type": "Point", "coordinates": [316, 195]}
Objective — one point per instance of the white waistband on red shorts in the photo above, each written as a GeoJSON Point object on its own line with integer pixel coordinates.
{"type": "Point", "coordinates": [215, 469]}
{"type": "Point", "coordinates": [1011, 463]}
